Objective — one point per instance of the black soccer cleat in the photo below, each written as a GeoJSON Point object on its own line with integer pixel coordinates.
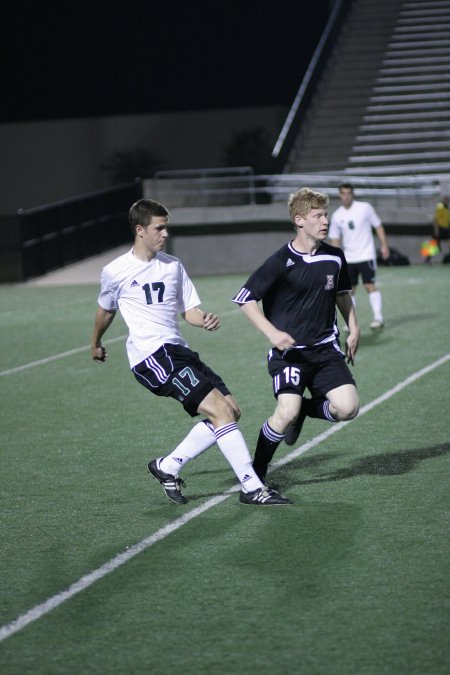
{"type": "Point", "coordinates": [264, 495]}
{"type": "Point", "coordinates": [171, 485]}
{"type": "Point", "coordinates": [294, 429]}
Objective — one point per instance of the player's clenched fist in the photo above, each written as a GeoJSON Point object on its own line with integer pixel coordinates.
{"type": "Point", "coordinates": [99, 354]}
{"type": "Point", "coordinates": [211, 322]}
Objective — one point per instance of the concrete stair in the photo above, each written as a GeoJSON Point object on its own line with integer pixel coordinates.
{"type": "Point", "coordinates": [383, 103]}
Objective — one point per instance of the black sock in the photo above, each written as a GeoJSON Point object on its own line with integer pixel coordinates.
{"type": "Point", "coordinates": [319, 407]}
{"type": "Point", "coordinates": [268, 442]}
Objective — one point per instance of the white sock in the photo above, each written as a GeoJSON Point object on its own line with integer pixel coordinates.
{"type": "Point", "coordinates": [376, 303]}
{"type": "Point", "coordinates": [353, 300]}
{"type": "Point", "coordinates": [234, 448]}
{"type": "Point", "coordinates": [199, 439]}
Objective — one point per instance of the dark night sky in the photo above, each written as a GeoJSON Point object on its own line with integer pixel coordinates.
{"type": "Point", "coordinates": [78, 59]}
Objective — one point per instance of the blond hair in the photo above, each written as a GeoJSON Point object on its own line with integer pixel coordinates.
{"type": "Point", "coordinates": [300, 203]}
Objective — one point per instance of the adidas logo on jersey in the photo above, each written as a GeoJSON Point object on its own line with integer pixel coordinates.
{"type": "Point", "coordinates": [134, 283]}
{"type": "Point", "coordinates": [289, 262]}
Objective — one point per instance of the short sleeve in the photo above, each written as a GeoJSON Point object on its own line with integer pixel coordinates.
{"type": "Point", "coordinates": [188, 296]}
{"type": "Point", "coordinates": [333, 230]}
{"type": "Point", "coordinates": [373, 216]}
{"type": "Point", "coordinates": [108, 295]}
{"type": "Point", "coordinates": [260, 281]}
{"type": "Point", "coordinates": [344, 285]}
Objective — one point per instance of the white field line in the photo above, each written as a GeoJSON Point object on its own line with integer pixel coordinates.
{"type": "Point", "coordinates": [56, 357]}
{"type": "Point", "coordinates": [77, 350]}
{"type": "Point", "coordinates": [366, 408]}
{"type": "Point", "coordinates": [44, 608]}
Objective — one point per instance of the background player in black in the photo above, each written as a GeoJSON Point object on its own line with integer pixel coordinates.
{"type": "Point", "coordinates": [300, 286]}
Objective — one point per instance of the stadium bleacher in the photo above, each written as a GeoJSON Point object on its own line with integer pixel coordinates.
{"type": "Point", "coordinates": [383, 103]}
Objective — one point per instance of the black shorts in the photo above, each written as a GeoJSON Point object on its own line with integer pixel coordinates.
{"type": "Point", "coordinates": [444, 233]}
{"type": "Point", "coordinates": [178, 372]}
{"type": "Point", "coordinates": [320, 369]}
{"type": "Point", "coordinates": [366, 269]}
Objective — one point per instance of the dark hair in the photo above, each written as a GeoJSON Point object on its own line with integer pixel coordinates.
{"type": "Point", "coordinates": [142, 212]}
{"type": "Point", "coordinates": [346, 186]}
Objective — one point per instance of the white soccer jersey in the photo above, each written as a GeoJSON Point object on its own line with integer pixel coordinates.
{"type": "Point", "coordinates": [353, 226]}
{"type": "Point", "coordinates": [149, 296]}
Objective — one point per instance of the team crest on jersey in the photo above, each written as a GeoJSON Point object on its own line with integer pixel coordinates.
{"type": "Point", "coordinates": [329, 283]}
{"type": "Point", "coordinates": [289, 262]}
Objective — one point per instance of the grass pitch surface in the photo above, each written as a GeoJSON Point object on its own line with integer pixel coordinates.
{"type": "Point", "coordinates": [351, 579]}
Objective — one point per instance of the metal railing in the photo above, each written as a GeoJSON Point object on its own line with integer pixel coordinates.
{"type": "Point", "coordinates": [203, 184]}
{"type": "Point", "coordinates": [53, 235]}
{"type": "Point", "coordinates": [206, 188]}
{"type": "Point", "coordinates": [302, 99]}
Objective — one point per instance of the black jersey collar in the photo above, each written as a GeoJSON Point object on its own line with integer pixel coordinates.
{"type": "Point", "coordinates": [302, 253]}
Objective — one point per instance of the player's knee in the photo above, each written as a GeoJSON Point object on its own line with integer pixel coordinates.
{"type": "Point", "coordinates": [234, 407]}
{"type": "Point", "coordinates": [283, 417]}
{"type": "Point", "coordinates": [233, 412]}
{"type": "Point", "coordinates": [219, 409]}
{"type": "Point", "coordinates": [224, 412]}
{"type": "Point", "coordinates": [227, 409]}
{"type": "Point", "coordinates": [348, 410]}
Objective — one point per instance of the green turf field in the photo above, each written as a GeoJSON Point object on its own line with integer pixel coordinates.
{"type": "Point", "coordinates": [350, 580]}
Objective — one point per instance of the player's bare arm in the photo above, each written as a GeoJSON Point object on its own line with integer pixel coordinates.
{"type": "Point", "coordinates": [278, 338]}
{"type": "Point", "coordinates": [197, 317]}
{"type": "Point", "coordinates": [103, 320]}
{"type": "Point", "coordinates": [346, 308]}
{"type": "Point", "coordinates": [384, 248]}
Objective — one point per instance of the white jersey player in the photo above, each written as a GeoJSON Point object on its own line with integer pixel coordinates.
{"type": "Point", "coordinates": [149, 295]}
{"type": "Point", "coordinates": [150, 288]}
{"type": "Point", "coordinates": [351, 227]}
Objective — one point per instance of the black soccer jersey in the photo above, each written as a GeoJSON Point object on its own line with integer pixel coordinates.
{"type": "Point", "coordinates": [298, 292]}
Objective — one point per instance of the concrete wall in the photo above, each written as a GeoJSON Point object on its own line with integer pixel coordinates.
{"type": "Point", "coordinates": [42, 162]}
{"type": "Point", "coordinates": [207, 255]}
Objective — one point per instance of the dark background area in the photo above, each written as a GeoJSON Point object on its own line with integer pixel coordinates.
{"type": "Point", "coordinates": [79, 59]}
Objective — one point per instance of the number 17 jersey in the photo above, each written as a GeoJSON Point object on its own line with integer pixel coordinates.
{"type": "Point", "coordinates": [149, 295]}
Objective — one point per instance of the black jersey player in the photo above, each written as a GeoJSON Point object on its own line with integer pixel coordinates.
{"type": "Point", "coordinates": [300, 287]}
